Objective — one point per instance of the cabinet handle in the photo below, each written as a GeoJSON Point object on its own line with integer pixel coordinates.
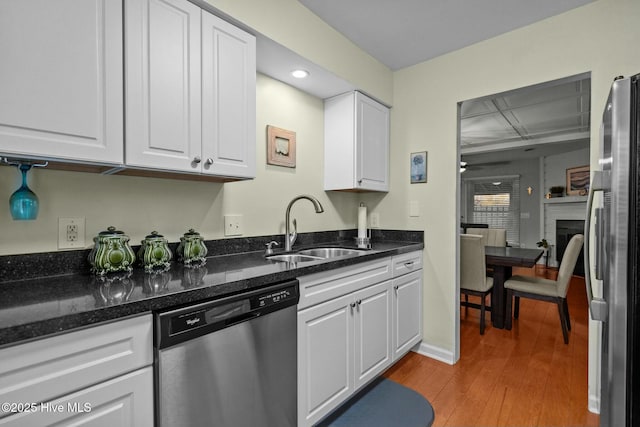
{"type": "Point", "coordinates": [408, 264]}
{"type": "Point", "coordinates": [197, 159]}
{"type": "Point", "coordinates": [396, 287]}
{"type": "Point", "coordinates": [209, 161]}
{"type": "Point", "coordinates": [352, 305]}
{"type": "Point", "coordinates": [359, 302]}
{"type": "Point", "coordinates": [359, 182]}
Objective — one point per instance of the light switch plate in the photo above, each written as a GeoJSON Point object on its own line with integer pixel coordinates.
{"type": "Point", "coordinates": [414, 208]}
{"type": "Point", "coordinates": [374, 220]}
{"type": "Point", "coordinates": [233, 225]}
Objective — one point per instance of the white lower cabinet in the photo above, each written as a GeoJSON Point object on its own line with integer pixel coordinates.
{"type": "Point", "coordinates": [343, 344]}
{"type": "Point", "coordinates": [372, 337]}
{"type": "Point", "coordinates": [325, 351]}
{"type": "Point", "coordinates": [124, 401]}
{"type": "Point", "coordinates": [350, 338]}
{"type": "Point", "coordinates": [407, 312]}
{"type": "Point", "coordinates": [99, 376]}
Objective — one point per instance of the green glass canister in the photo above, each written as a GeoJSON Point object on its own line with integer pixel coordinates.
{"type": "Point", "coordinates": [111, 252]}
{"type": "Point", "coordinates": [192, 250]}
{"type": "Point", "coordinates": [154, 253]}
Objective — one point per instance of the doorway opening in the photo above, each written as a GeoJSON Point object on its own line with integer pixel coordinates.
{"type": "Point", "coordinates": [515, 148]}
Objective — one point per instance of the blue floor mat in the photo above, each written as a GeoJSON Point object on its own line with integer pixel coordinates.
{"type": "Point", "coordinates": [384, 403]}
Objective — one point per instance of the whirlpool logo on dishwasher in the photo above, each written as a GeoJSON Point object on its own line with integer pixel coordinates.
{"type": "Point", "coordinates": [194, 321]}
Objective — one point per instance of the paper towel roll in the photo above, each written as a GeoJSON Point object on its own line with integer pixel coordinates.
{"type": "Point", "coordinates": [362, 221]}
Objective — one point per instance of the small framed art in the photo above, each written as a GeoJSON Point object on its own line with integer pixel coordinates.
{"type": "Point", "coordinates": [578, 181]}
{"type": "Point", "coordinates": [281, 147]}
{"type": "Point", "coordinates": [418, 167]}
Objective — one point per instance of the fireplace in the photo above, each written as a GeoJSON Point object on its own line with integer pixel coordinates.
{"type": "Point", "coordinates": [565, 230]}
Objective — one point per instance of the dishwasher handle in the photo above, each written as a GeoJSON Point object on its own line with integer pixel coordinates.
{"type": "Point", "coordinates": [187, 323]}
{"type": "Point", "coordinates": [241, 318]}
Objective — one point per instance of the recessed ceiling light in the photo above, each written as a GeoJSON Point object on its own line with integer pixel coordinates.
{"type": "Point", "coordinates": [300, 74]}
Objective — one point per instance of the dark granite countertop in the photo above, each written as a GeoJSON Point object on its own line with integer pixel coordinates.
{"type": "Point", "coordinates": [41, 306]}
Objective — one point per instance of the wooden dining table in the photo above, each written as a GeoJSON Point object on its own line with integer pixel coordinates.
{"type": "Point", "coordinates": [502, 259]}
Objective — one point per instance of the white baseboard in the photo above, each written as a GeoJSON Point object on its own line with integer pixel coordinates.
{"type": "Point", "coordinates": [594, 403]}
{"type": "Point", "coordinates": [434, 352]}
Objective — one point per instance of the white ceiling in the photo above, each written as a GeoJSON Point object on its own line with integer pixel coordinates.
{"type": "Point", "coordinates": [400, 33]}
{"type": "Point", "coordinates": [540, 120]}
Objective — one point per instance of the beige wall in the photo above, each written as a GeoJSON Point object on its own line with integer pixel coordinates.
{"type": "Point", "coordinates": [601, 37]}
{"type": "Point", "coordinates": [140, 205]}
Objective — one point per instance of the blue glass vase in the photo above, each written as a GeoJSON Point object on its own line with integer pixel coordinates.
{"type": "Point", "coordinates": [24, 202]}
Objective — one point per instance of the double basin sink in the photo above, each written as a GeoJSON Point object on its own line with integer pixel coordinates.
{"type": "Point", "coordinates": [316, 254]}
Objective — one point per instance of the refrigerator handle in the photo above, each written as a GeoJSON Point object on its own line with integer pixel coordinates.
{"type": "Point", "coordinates": [597, 306]}
{"type": "Point", "coordinates": [599, 232]}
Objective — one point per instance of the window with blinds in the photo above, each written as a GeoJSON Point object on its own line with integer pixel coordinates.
{"type": "Point", "coordinates": [495, 201]}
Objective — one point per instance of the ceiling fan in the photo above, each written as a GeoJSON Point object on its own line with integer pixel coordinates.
{"type": "Point", "coordinates": [464, 166]}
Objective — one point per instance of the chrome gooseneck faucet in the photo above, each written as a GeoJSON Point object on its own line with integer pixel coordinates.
{"type": "Point", "coordinates": [290, 238]}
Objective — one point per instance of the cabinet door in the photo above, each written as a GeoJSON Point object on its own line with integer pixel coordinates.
{"type": "Point", "coordinates": [124, 401]}
{"type": "Point", "coordinates": [407, 312]}
{"type": "Point", "coordinates": [372, 144]}
{"type": "Point", "coordinates": [61, 79]}
{"type": "Point", "coordinates": [228, 99]}
{"type": "Point", "coordinates": [325, 351]}
{"type": "Point", "coordinates": [163, 89]}
{"type": "Point", "coordinates": [372, 332]}
{"type": "Point", "coordinates": [44, 369]}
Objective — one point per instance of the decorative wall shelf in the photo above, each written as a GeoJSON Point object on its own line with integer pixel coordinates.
{"type": "Point", "coordinates": [567, 199]}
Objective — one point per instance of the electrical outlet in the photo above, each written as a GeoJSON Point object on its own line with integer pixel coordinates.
{"type": "Point", "coordinates": [374, 220]}
{"type": "Point", "coordinates": [233, 225]}
{"type": "Point", "coordinates": [71, 233]}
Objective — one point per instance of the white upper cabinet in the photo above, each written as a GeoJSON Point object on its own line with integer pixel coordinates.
{"type": "Point", "coordinates": [228, 99]}
{"type": "Point", "coordinates": [61, 80]}
{"type": "Point", "coordinates": [190, 90]}
{"type": "Point", "coordinates": [356, 143]}
{"type": "Point", "coordinates": [163, 84]}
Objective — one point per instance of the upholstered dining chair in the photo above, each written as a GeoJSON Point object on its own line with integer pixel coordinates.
{"type": "Point", "coordinates": [490, 236]}
{"type": "Point", "coordinates": [473, 277]}
{"type": "Point", "coordinates": [538, 288]}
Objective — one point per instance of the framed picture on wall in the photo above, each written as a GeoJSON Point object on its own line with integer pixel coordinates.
{"type": "Point", "coordinates": [418, 164]}
{"type": "Point", "coordinates": [281, 147]}
{"type": "Point", "coordinates": [578, 181]}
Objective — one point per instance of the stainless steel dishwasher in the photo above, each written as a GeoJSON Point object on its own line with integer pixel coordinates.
{"type": "Point", "coordinates": [230, 362]}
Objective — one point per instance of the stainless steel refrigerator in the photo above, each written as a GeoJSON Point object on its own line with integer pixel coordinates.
{"type": "Point", "coordinates": [616, 258]}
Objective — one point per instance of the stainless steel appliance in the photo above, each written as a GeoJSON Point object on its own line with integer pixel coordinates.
{"type": "Point", "coordinates": [230, 362]}
{"type": "Point", "coordinates": [617, 249]}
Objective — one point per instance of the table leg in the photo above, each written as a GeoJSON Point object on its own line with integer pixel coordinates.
{"type": "Point", "coordinates": [498, 297]}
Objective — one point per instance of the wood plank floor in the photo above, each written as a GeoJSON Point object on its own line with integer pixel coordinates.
{"type": "Point", "coordinates": [523, 377]}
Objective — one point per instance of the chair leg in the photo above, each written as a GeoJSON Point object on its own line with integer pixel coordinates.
{"type": "Point", "coordinates": [482, 299]}
{"type": "Point", "coordinates": [507, 314]}
{"type": "Point", "coordinates": [516, 308]}
{"type": "Point", "coordinates": [566, 313]}
{"type": "Point", "coordinates": [563, 321]}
